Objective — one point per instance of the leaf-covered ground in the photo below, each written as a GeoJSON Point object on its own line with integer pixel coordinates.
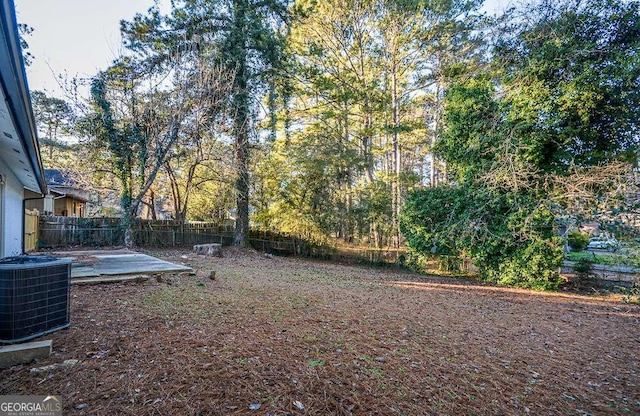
{"type": "Point", "coordinates": [278, 336]}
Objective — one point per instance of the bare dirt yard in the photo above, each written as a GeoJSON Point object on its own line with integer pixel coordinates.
{"type": "Point", "coordinates": [287, 336]}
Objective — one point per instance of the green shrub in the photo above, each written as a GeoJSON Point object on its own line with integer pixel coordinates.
{"type": "Point", "coordinates": [583, 268]}
{"type": "Point", "coordinates": [534, 266]}
{"type": "Point", "coordinates": [632, 294]}
{"type": "Point", "coordinates": [510, 238]}
{"type": "Point", "coordinates": [577, 240]}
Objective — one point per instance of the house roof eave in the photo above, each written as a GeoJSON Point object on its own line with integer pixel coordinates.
{"type": "Point", "coordinates": [65, 192]}
{"type": "Point", "coordinates": [13, 81]}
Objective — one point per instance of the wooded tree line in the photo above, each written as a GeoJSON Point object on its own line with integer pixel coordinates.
{"type": "Point", "coordinates": [344, 119]}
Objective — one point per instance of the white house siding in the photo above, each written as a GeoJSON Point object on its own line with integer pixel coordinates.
{"type": "Point", "coordinates": [10, 213]}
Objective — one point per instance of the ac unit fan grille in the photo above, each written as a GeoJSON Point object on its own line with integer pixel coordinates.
{"type": "Point", "coordinates": [34, 299]}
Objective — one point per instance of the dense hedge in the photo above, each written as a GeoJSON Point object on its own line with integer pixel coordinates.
{"type": "Point", "coordinates": [510, 239]}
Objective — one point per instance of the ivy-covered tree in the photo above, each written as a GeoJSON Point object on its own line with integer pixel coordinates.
{"type": "Point", "coordinates": [137, 132]}
{"type": "Point", "coordinates": [571, 75]}
{"type": "Point", "coordinates": [244, 37]}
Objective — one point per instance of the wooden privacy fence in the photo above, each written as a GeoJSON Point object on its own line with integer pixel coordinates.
{"type": "Point", "coordinates": [370, 254]}
{"type": "Point", "coordinates": [99, 232]}
{"type": "Point", "coordinates": [166, 233]}
{"type": "Point", "coordinates": [31, 230]}
{"type": "Point", "coordinates": [58, 232]}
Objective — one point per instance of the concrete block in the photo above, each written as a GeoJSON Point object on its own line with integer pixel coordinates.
{"type": "Point", "coordinates": [208, 249]}
{"type": "Point", "coordinates": [11, 355]}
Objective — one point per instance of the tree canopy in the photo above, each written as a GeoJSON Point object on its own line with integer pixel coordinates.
{"type": "Point", "coordinates": [244, 37]}
{"type": "Point", "coordinates": [386, 123]}
{"type": "Point", "coordinates": [559, 100]}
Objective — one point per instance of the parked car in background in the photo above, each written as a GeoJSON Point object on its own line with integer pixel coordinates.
{"type": "Point", "coordinates": [603, 243]}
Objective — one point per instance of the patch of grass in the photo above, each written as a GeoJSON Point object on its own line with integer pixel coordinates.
{"type": "Point", "coordinates": [185, 300]}
{"type": "Point", "coordinates": [365, 358]}
{"type": "Point", "coordinates": [606, 259]}
{"type": "Point", "coordinates": [296, 302]}
{"type": "Point", "coordinates": [315, 363]}
{"type": "Point", "coordinates": [374, 371]}
{"type": "Point", "coordinates": [168, 301]}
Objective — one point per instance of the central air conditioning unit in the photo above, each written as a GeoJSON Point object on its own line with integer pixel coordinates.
{"type": "Point", "coordinates": [34, 296]}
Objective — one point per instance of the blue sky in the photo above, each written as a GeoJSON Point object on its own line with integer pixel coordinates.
{"type": "Point", "coordinates": [82, 37]}
{"type": "Point", "coordinates": [77, 36]}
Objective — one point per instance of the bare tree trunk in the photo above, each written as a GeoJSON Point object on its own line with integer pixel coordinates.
{"type": "Point", "coordinates": [366, 140]}
{"type": "Point", "coordinates": [175, 191]}
{"type": "Point", "coordinates": [152, 204]}
{"type": "Point", "coordinates": [128, 232]}
{"type": "Point", "coordinates": [432, 174]}
{"type": "Point", "coordinates": [368, 146]}
{"type": "Point", "coordinates": [148, 210]}
{"type": "Point", "coordinates": [395, 184]}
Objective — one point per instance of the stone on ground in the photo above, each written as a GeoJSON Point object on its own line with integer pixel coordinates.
{"type": "Point", "coordinates": [208, 249]}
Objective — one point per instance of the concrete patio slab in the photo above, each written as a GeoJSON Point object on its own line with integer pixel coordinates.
{"type": "Point", "coordinates": [116, 263]}
{"type": "Point", "coordinates": [109, 279]}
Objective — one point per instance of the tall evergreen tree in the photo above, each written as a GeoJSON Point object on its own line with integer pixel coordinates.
{"type": "Point", "coordinates": [364, 78]}
{"type": "Point", "coordinates": [54, 117]}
